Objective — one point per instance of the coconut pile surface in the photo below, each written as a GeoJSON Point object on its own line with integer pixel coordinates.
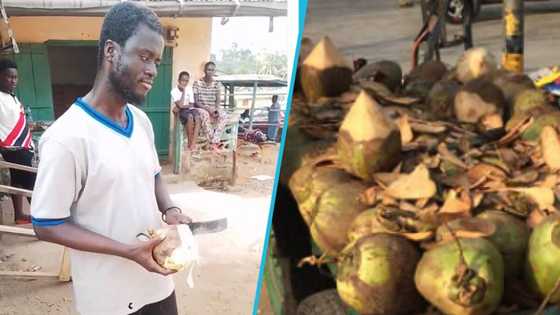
{"type": "Point", "coordinates": [436, 193]}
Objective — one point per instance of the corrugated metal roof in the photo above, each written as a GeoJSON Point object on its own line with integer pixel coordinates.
{"type": "Point", "coordinates": [248, 80]}
{"type": "Point", "coordinates": [164, 8]}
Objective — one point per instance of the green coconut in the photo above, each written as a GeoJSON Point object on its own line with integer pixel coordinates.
{"type": "Point", "coordinates": [537, 111]}
{"type": "Point", "coordinates": [512, 83]}
{"type": "Point", "coordinates": [299, 148]}
{"type": "Point", "coordinates": [368, 141]}
{"type": "Point", "coordinates": [325, 72]}
{"type": "Point", "coordinates": [475, 63]}
{"type": "Point", "coordinates": [441, 99]}
{"type": "Point", "coordinates": [364, 224]}
{"type": "Point", "coordinates": [533, 132]}
{"type": "Point", "coordinates": [387, 72]}
{"type": "Point", "coordinates": [375, 276]}
{"type": "Point", "coordinates": [511, 238]}
{"type": "Point", "coordinates": [456, 289]}
{"type": "Point", "coordinates": [310, 182]}
{"type": "Point", "coordinates": [543, 257]}
{"type": "Point", "coordinates": [527, 100]}
{"type": "Point", "coordinates": [478, 99]}
{"type": "Point", "coordinates": [334, 211]}
{"type": "Point", "coordinates": [422, 78]}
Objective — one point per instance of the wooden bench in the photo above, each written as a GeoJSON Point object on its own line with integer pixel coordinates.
{"type": "Point", "coordinates": [228, 141]}
{"type": "Point", "coordinates": [64, 272]}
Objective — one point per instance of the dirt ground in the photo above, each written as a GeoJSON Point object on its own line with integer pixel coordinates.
{"type": "Point", "coordinates": [225, 279]}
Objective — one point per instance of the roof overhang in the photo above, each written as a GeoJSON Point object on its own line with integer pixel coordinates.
{"type": "Point", "coordinates": [177, 8]}
{"type": "Point", "coordinates": [249, 80]}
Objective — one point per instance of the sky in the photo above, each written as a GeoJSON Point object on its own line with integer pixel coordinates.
{"type": "Point", "coordinates": [253, 33]}
{"type": "Point", "coordinates": [250, 33]}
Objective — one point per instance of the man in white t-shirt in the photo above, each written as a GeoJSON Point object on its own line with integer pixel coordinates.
{"type": "Point", "coordinates": [183, 108]}
{"type": "Point", "coordinates": [16, 144]}
{"type": "Point", "coordinates": [98, 184]}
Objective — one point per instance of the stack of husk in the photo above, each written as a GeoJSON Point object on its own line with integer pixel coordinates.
{"type": "Point", "coordinates": [435, 196]}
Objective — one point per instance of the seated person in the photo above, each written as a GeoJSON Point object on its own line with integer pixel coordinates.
{"type": "Point", "coordinates": [183, 107]}
{"type": "Point", "coordinates": [16, 145]}
{"type": "Point", "coordinates": [207, 98]}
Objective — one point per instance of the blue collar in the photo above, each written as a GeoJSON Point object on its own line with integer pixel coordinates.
{"type": "Point", "coordinates": [127, 131]}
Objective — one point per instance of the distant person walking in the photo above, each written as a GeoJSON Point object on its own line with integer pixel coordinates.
{"type": "Point", "coordinates": [273, 119]}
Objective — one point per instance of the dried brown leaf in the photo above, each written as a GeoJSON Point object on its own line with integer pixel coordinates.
{"type": "Point", "coordinates": [385, 179]}
{"type": "Point", "coordinates": [550, 146]}
{"type": "Point", "coordinates": [407, 206]}
{"type": "Point", "coordinates": [544, 197]}
{"type": "Point", "coordinates": [421, 203]}
{"type": "Point", "coordinates": [456, 204]}
{"type": "Point", "coordinates": [466, 228]}
{"type": "Point", "coordinates": [484, 170]}
{"type": "Point", "coordinates": [419, 236]}
{"type": "Point", "coordinates": [406, 130]}
{"type": "Point", "coordinates": [427, 127]}
{"type": "Point", "coordinates": [415, 185]}
{"type": "Point", "coordinates": [370, 196]}
{"type": "Point", "coordinates": [450, 157]}
{"type": "Point", "coordinates": [550, 181]}
{"type": "Point", "coordinates": [535, 217]}
{"type": "Point", "coordinates": [516, 131]}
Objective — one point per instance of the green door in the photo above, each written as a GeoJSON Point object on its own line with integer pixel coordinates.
{"type": "Point", "coordinates": [34, 85]}
{"type": "Point", "coordinates": [34, 90]}
{"type": "Point", "coordinates": [158, 102]}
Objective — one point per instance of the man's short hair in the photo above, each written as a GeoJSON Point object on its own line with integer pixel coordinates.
{"type": "Point", "coordinates": [121, 23]}
{"type": "Point", "coordinates": [209, 63]}
{"type": "Point", "coordinates": [182, 73]}
{"type": "Point", "coordinates": [274, 97]}
{"type": "Point", "coordinates": [7, 64]}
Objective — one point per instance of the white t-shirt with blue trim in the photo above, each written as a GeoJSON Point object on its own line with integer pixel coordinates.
{"type": "Point", "coordinates": [100, 176]}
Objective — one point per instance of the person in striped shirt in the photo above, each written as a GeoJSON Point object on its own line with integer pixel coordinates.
{"type": "Point", "coordinates": [207, 96]}
{"type": "Point", "coordinates": [16, 145]}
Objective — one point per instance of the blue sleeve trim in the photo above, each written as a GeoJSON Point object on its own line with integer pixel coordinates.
{"type": "Point", "coordinates": [47, 222]}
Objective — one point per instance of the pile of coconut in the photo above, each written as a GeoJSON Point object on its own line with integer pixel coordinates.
{"type": "Point", "coordinates": [435, 193]}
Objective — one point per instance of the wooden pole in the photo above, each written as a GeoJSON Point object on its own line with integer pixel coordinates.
{"type": "Point", "coordinates": [253, 105]}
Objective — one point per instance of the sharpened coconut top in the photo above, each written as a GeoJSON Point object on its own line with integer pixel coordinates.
{"type": "Point", "coordinates": [474, 63]}
{"type": "Point", "coordinates": [365, 120]}
{"type": "Point", "coordinates": [324, 56]}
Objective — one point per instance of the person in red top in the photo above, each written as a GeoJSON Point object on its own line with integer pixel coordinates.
{"type": "Point", "coordinates": [15, 137]}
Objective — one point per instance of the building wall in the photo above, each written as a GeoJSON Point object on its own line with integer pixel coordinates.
{"type": "Point", "coordinates": [192, 48]}
{"type": "Point", "coordinates": [193, 42]}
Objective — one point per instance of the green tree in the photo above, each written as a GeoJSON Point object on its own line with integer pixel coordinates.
{"type": "Point", "coordinates": [272, 63]}
{"type": "Point", "coordinates": [236, 60]}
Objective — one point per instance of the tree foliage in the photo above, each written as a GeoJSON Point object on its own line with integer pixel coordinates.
{"type": "Point", "coordinates": [237, 60]}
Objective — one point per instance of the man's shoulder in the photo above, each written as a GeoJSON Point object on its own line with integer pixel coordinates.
{"type": "Point", "coordinates": [6, 98]}
{"type": "Point", "coordinates": [140, 116]}
{"type": "Point", "coordinates": [67, 129]}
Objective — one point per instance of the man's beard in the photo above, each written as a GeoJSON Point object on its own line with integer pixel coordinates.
{"type": "Point", "coordinates": [121, 80]}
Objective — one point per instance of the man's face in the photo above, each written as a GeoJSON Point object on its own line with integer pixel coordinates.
{"type": "Point", "coordinates": [210, 70]}
{"type": "Point", "coordinates": [134, 66]}
{"type": "Point", "coordinates": [8, 80]}
{"type": "Point", "coordinates": [183, 81]}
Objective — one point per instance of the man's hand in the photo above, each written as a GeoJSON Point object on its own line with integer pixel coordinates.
{"type": "Point", "coordinates": [142, 253]}
{"type": "Point", "coordinates": [173, 217]}
{"type": "Point", "coordinates": [175, 109]}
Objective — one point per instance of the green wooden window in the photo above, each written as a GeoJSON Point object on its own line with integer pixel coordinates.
{"type": "Point", "coordinates": [34, 85]}
{"type": "Point", "coordinates": [158, 102]}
